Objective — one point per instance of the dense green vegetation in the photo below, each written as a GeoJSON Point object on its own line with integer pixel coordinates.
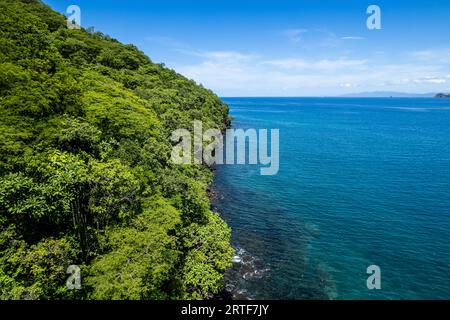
{"type": "Point", "coordinates": [85, 172]}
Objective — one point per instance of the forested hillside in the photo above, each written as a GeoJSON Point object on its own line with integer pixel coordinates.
{"type": "Point", "coordinates": [85, 172]}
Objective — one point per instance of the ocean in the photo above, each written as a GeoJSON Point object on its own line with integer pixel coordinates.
{"type": "Point", "coordinates": [361, 182]}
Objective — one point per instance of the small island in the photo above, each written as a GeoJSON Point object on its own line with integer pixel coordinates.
{"type": "Point", "coordinates": [442, 95]}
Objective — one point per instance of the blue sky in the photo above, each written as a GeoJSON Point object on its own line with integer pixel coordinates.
{"type": "Point", "coordinates": [285, 47]}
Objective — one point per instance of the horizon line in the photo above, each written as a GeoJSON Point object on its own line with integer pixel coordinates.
{"type": "Point", "coordinates": [348, 97]}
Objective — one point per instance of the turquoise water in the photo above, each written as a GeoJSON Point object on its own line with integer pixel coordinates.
{"type": "Point", "coordinates": [361, 182]}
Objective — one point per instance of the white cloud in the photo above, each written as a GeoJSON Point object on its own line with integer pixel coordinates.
{"type": "Point", "coordinates": [295, 35]}
{"type": "Point", "coordinates": [220, 56]}
{"type": "Point", "coordinates": [430, 79]}
{"type": "Point", "coordinates": [233, 73]}
{"type": "Point", "coordinates": [433, 55]}
{"type": "Point", "coordinates": [352, 38]}
{"type": "Point", "coordinates": [223, 71]}
{"type": "Point", "coordinates": [312, 38]}
{"type": "Point", "coordinates": [324, 64]}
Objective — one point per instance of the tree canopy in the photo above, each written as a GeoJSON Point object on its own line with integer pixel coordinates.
{"type": "Point", "coordinates": [85, 176]}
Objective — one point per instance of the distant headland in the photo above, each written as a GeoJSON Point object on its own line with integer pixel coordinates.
{"type": "Point", "coordinates": [392, 94]}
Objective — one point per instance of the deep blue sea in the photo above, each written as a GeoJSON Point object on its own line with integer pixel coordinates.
{"type": "Point", "coordinates": [362, 182]}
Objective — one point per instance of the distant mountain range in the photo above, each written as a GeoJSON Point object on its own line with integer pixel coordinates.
{"type": "Point", "coordinates": [389, 94]}
{"type": "Point", "coordinates": [442, 95]}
